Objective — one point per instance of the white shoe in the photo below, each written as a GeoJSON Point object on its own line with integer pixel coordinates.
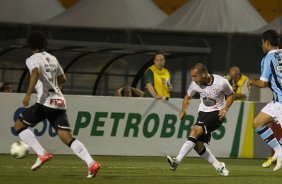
{"type": "Point", "coordinates": [222, 169]}
{"type": "Point", "coordinates": [172, 162]}
{"type": "Point", "coordinates": [278, 164]}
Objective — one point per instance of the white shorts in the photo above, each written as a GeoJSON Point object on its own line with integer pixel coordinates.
{"type": "Point", "coordinates": [274, 109]}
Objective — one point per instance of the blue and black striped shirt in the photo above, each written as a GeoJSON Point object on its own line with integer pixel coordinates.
{"type": "Point", "coordinates": [271, 72]}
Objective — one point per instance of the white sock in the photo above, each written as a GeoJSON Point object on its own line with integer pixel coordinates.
{"type": "Point", "coordinates": [278, 151]}
{"type": "Point", "coordinates": [79, 149]}
{"type": "Point", "coordinates": [185, 149]}
{"type": "Point", "coordinates": [208, 156]}
{"type": "Point", "coordinates": [29, 138]}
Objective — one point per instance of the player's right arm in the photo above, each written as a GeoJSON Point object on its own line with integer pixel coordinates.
{"type": "Point", "coordinates": [186, 100]}
{"type": "Point", "coordinates": [185, 104]}
{"type": "Point", "coordinates": [257, 83]}
{"type": "Point", "coordinates": [266, 74]}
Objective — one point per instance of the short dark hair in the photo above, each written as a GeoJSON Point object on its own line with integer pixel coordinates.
{"type": "Point", "coordinates": [200, 67]}
{"type": "Point", "coordinates": [272, 36]}
{"type": "Point", "coordinates": [37, 40]}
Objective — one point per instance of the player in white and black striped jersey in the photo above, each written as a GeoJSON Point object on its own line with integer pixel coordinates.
{"type": "Point", "coordinates": [216, 96]}
{"type": "Point", "coordinates": [46, 75]}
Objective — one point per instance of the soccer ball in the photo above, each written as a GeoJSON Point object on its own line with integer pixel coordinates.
{"type": "Point", "coordinates": [19, 149]}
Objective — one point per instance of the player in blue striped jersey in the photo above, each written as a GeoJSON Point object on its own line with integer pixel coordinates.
{"type": "Point", "coordinates": [271, 76]}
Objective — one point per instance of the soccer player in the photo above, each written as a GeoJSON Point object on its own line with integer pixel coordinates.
{"type": "Point", "coordinates": [46, 75]}
{"type": "Point", "coordinates": [271, 76]}
{"type": "Point", "coordinates": [216, 96]}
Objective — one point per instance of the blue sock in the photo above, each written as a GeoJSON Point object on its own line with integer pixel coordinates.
{"type": "Point", "coordinates": [268, 137]}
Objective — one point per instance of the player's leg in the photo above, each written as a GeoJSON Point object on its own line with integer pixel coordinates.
{"type": "Point", "coordinates": [30, 117]}
{"type": "Point", "coordinates": [210, 123]}
{"type": "Point", "coordinates": [271, 160]}
{"type": "Point", "coordinates": [207, 155]}
{"type": "Point", "coordinates": [80, 150]}
{"type": "Point", "coordinates": [188, 145]}
{"type": "Point", "coordinates": [267, 135]}
{"type": "Point", "coordinates": [76, 146]}
{"type": "Point", "coordinates": [60, 122]}
{"type": "Point", "coordinates": [27, 136]}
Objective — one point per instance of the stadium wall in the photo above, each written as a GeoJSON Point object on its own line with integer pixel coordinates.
{"type": "Point", "coordinates": [137, 127]}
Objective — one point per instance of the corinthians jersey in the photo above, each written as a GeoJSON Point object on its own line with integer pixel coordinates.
{"type": "Point", "coordinates": [48, 91]}
{"type": "Point", "coordinates": [212, 96]}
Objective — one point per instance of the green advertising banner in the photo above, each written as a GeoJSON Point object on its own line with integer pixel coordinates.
{"type": "Point", "coordinates": [133, 126]}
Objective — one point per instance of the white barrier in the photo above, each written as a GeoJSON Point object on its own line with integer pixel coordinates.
{"type": "Point", "coordinates": [132, 126]}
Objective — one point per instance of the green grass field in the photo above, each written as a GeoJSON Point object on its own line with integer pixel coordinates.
{"type": "Point", "coordinates": [63, 169]}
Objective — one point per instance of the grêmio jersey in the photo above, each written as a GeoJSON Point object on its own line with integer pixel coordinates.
{"type": "Point", "coordinates": [271, 72]}
{"type": "Point", "coordinates": [48, 91]}
{"type": "Point", "coordinates": [212, 96]}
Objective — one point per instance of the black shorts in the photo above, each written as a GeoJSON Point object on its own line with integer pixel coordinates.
{"type": "Point", "coordinates": [210, 122]}
{"type": "Point", "coordinates": [38, 112]}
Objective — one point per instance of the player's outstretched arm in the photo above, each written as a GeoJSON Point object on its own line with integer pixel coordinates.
{"type": "Point", "coordinates": [257, 83]}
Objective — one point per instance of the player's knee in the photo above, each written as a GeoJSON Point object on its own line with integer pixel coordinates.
{"type": "Point", "coordinates": [65, 136]}
{"type": "Point", "coordinates": [71, 141]}
{"type": "Point", "coordinates": [19, 125]}
{"type": "Point", "coordinates": [199, 146]}
{"type": "Point", "coordinates": [196, 131]}
{"type": "Point", "coordinates": [67, 141]}
{"type": "Point", "coordinates": [256, 124]}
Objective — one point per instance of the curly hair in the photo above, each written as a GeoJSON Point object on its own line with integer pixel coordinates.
{"type": "Point", "coordinates": [37, 40]}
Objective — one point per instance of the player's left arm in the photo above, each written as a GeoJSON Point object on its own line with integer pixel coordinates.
{"type": "Point", "coordinates": [34, 75]}
{"type": "Point", "coordinates": [61, 77]}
